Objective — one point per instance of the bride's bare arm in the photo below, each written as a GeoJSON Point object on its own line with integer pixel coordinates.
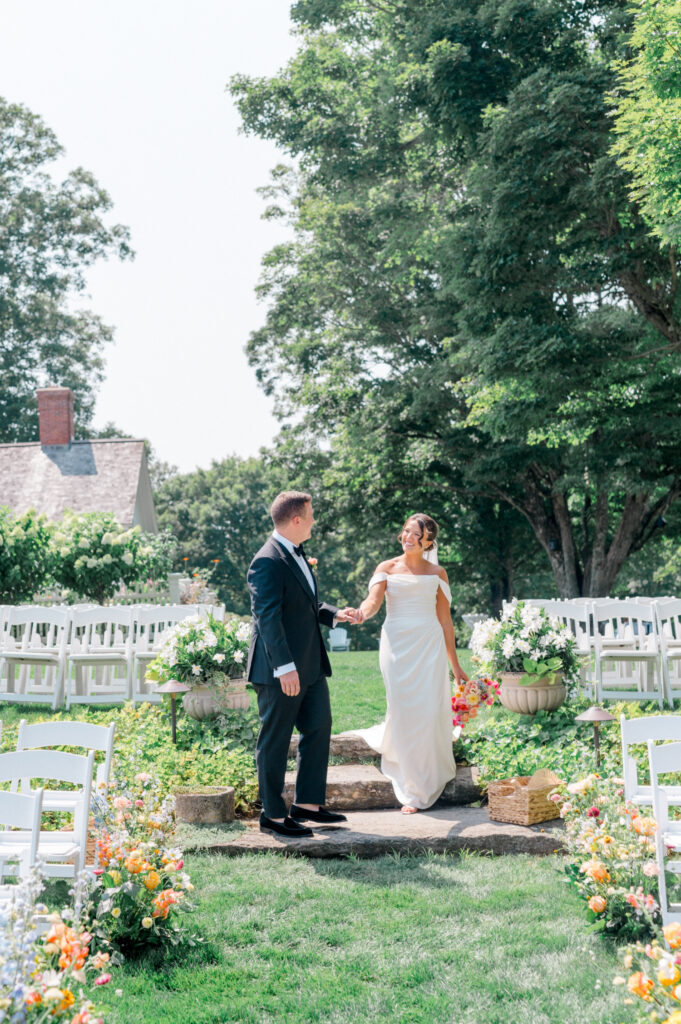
{"type": "Point", "coordinates": [445, 619]}
{"type": "Point", "coordinates": [374, 599]}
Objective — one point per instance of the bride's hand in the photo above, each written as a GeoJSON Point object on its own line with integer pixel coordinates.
{"type": "Point", "coordinates": [459, 674]}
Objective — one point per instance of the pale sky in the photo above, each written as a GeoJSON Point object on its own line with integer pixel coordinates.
{"type": "Point", "coordinates": [135, 92]}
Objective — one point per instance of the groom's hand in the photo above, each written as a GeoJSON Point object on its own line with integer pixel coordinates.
{"type": "Point", "coordinates": [290, 683]}
{"type": "Point", "coordinates": [351, 615]}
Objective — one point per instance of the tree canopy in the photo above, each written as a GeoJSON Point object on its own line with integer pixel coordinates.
{"type": "Point", "coordinates": [49, 234]}
{"type": "Point", "coordinates": [471, 311]}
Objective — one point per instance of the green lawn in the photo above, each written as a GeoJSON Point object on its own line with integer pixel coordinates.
{"type": "Point", "coordinates": [466, 940]}
{"type": "Point", "coordinates": [357, 690]}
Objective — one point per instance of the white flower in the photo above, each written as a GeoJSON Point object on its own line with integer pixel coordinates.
{"type": "Point", "coordinates": [196, 670]}
{"type": "Point", "coordinates": [209, 639]}
{"type": "Point", "coordinates": [508, 646]}
{"type": "Point", "coordinates": [523, 646]}
{"type": "Point", "coordinates": [107, 559]}
{"type": "Point", "coordinates": [91, 563]}
{"type": "Point", "coordinates": [219, 658]}
{"type": "Point", "coordinates": [127, 557]}
{"type": "Point", "coordinates": [244, 631]}
{"type": "Point", "coordinates": [83, 542]}
{"type": "Point", "coordinates": [239, 657]}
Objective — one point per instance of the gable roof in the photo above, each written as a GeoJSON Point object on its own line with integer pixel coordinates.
{"type": "Point", "coordinates": [108, 475]}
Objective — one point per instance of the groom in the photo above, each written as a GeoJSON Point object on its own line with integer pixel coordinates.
{"type": "Point", "coordinates": [288, 666]}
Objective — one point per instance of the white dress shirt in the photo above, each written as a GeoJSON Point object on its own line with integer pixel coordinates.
{"type": "Point", "coordinates": [307, 573]}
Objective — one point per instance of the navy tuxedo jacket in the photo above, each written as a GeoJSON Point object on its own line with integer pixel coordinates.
{"type": "Point", "coordinates": [286, 619]}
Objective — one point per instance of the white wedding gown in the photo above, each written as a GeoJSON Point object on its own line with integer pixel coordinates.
{"type": "Point", "coordinates": [415, 741]}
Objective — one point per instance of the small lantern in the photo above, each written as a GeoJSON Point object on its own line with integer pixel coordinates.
{"type": "Point", "coordinates": [595, 716]}
{"type": "Point", "coordinates": [173, 687]}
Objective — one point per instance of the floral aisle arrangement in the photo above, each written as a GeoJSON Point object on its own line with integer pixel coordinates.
{"type": "Point", "coordinates": [470, 696]}
{"type": "Point", "coordinates": [202, 652]}
{"type": "Point", "coordinates": [141, 886]}
{"type": "Point", "coordinates": [612, 849]}
{"type": "Point", "coordinates": [652, 984]}
{"type": "Point", "coordinates": [41, 977]}
{"type": "Point", "coordinates": [526, 640]}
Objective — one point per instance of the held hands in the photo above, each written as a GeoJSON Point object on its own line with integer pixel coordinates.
{"type": "Point", "coordinates": [352, 615]}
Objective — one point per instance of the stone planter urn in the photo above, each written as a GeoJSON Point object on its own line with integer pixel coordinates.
{"type": "Point", "coordinates": [530, 697]}
{"type": "Point", "coordinates": [203, 701]}
{"type": "Point", "coordinates": [204, 805]}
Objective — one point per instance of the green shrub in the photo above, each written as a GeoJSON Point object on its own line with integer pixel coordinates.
{"type": "Point", "coordinates": [25, 555]}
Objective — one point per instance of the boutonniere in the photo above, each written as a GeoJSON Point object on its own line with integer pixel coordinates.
{"type": "Point", "coordinates": [312, 562]}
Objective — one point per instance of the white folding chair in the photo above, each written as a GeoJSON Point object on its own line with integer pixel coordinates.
{"type": "Point", "coordinates": [575, 615]}
{"type": "Point", "coordinates": [99, 662]}
{"type": "Point", "coordinates": [20, 813]}
{"type": "Point", "coordinates": [658, 728]}
{"type": "Point", "coordinates": [626, 655]}
{"type": "Point", "coordinates": [662, 759]}
{"type": "Point", "coordinates": [33, 655]}
{"type": "Point", "coordinates": [669, 633]}
{"type": "Point", "coordinates": [62, 853]}
{"type": "Point", "coordinates": [69, 734]}
{"type": "Point", "coordinates": [151, 624]}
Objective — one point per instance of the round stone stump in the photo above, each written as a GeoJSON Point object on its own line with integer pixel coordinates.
{"type": "Point", "coordinates": [206, 805]}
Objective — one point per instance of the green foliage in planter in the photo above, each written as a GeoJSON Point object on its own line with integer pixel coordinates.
{"type": "Point", "coordinates": [24, 555]}
{"type": "Point", "coordinates": [227, 730]}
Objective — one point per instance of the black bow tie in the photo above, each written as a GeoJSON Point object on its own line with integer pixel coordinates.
{"type": "Point", "coordinates": [299, 551]}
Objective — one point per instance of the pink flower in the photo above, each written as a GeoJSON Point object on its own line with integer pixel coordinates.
{"type": "Point", "coordinates": [121, 802]}
{"type": "Point", "coordinates": [556, 797]}
{"type": "Point", "coordinates": [139, 803]}
{"type": "Point", "coordinates": [180, 865]}
{"type": "Point", "coordinates": [103, 979]}
{"type": "Point", "coordinates": [593, 812]}
{"type": "Point", "coordinates": [98, 871]}
{"type": "Point", "coordinates": [651, 869]}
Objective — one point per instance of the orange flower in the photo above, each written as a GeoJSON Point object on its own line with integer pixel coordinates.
{"type": "Point", "coordinates": [597, 904]}
{"type": "Point", "coordinates": [668, 973]}
{"type": "Point", "coordinates": [134, 863]}
{"type": "Point", "coordinates": [644, 826]}
{"type": "Point", "coordinates": [595, 869]}
{"type": "Point", "coordinates": [672, 933]}
{"type": "Point", "coordinates": [32, 998]}
{"type": "Point", "coordinates": [152, 880]}
{"type": "Point", "coordinates": [68, 999]}
{"type": "Point", "coordinates": [640, 985]}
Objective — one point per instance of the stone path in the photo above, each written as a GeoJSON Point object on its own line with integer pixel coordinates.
{"type": "Point", "coordinates": [374, 833]}
{"type": "Point", "coordinates": [376, 826]}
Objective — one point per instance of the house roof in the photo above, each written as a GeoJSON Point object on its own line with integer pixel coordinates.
{"type": "Point", "coordinates": [86, 476]}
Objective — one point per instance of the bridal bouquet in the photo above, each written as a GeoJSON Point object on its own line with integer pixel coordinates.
{"type": "Point", "coordinates": [201, 651]}
{"type": "Point", "coordinates": [470, 696]}
{"type": "Point", "coordinates": [525, 639]}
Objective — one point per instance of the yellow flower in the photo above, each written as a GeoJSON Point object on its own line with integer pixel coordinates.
{"type": "Point", "coordinates": [674, 1018]}
{"type": "Point", "coordinates": [147, 922]}
{"type": "Point", "coordinates": [668, 973]}
{"type": "Point", "coordinates": [116, 912]}
{"type": "Point", "coordinates": [115, 877]}
{"type": "Point", "coordinates": [672, 933]}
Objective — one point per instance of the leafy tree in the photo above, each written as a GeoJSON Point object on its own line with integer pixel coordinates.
{"type": "Point", "coordinates": [49, 234]}
{"type": "Point", "coordinates": [648, 106]}
{"type": "Point", "coordinates": [25, 555]}
{"type": "Point", "coordinates": [470, 308]}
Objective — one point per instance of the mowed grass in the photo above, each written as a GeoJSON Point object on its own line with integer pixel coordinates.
{"type": "Point", "coordinates": [453, 940]}
{"type": "Point", "coordinates": [357, 689]}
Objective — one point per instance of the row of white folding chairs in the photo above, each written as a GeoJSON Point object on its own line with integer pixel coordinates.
{"type": "Point", "coordinates": [83, 655]}
{"type": "Point", "coordinates": [661, 734]}
{"type": "Point", "coordinates": [630, 649]}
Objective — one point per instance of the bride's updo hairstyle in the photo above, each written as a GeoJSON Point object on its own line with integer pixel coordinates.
{"type": "Point", "coordinates": [427, 526]}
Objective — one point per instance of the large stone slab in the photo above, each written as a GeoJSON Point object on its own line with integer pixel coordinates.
{"type": "Point", "coordinates": [361, 787]}
{"type": "Point", "coordinates": [374, 833]}
{"type": "Point", "coordinates": [343, 744]}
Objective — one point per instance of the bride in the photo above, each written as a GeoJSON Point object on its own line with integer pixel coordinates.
{"type": "Point", "coordinates": [417, 639]}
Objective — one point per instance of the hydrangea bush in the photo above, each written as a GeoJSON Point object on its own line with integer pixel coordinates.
{"type": "Point", "coordinates": [202, 652]}
{"type": "Point", "coordinates": [93, 555]}
{"type": "Point", "coordinates": [526, 639]}
{"type": "Point", "coordinates": [25, 555]}
{"type": "Point", "coordinates": [612, 856]}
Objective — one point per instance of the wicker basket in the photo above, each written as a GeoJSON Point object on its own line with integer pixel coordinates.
{"type": "Point", "coordinates": [523, 800]}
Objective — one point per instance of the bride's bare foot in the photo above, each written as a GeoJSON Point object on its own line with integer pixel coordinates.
{"type": "Point", "coordinates": [408, 809]}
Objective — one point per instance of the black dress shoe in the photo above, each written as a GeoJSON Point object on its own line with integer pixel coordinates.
{"type": "Point", "coordinates": [287, 827]}
{"type": "Point", "coordinates": [322, 816]}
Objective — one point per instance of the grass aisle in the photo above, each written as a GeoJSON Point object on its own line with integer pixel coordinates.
{"type": "Point", "coordinates": [453, 940]}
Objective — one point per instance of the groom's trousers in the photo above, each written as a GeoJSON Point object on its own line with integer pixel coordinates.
{"type": "Point", "coordinates": [310, 712]}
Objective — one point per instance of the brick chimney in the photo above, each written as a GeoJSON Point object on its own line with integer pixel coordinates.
{"type": "Point", "coordinates": [55, 415]}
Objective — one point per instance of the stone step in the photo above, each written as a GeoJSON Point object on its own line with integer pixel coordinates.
{"type": "Point", "coordinates": [375, 833]}
{"type": "Point", "coordinates": [360, 787]}
{"type": "Point", "coordinates": [343, 744]}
